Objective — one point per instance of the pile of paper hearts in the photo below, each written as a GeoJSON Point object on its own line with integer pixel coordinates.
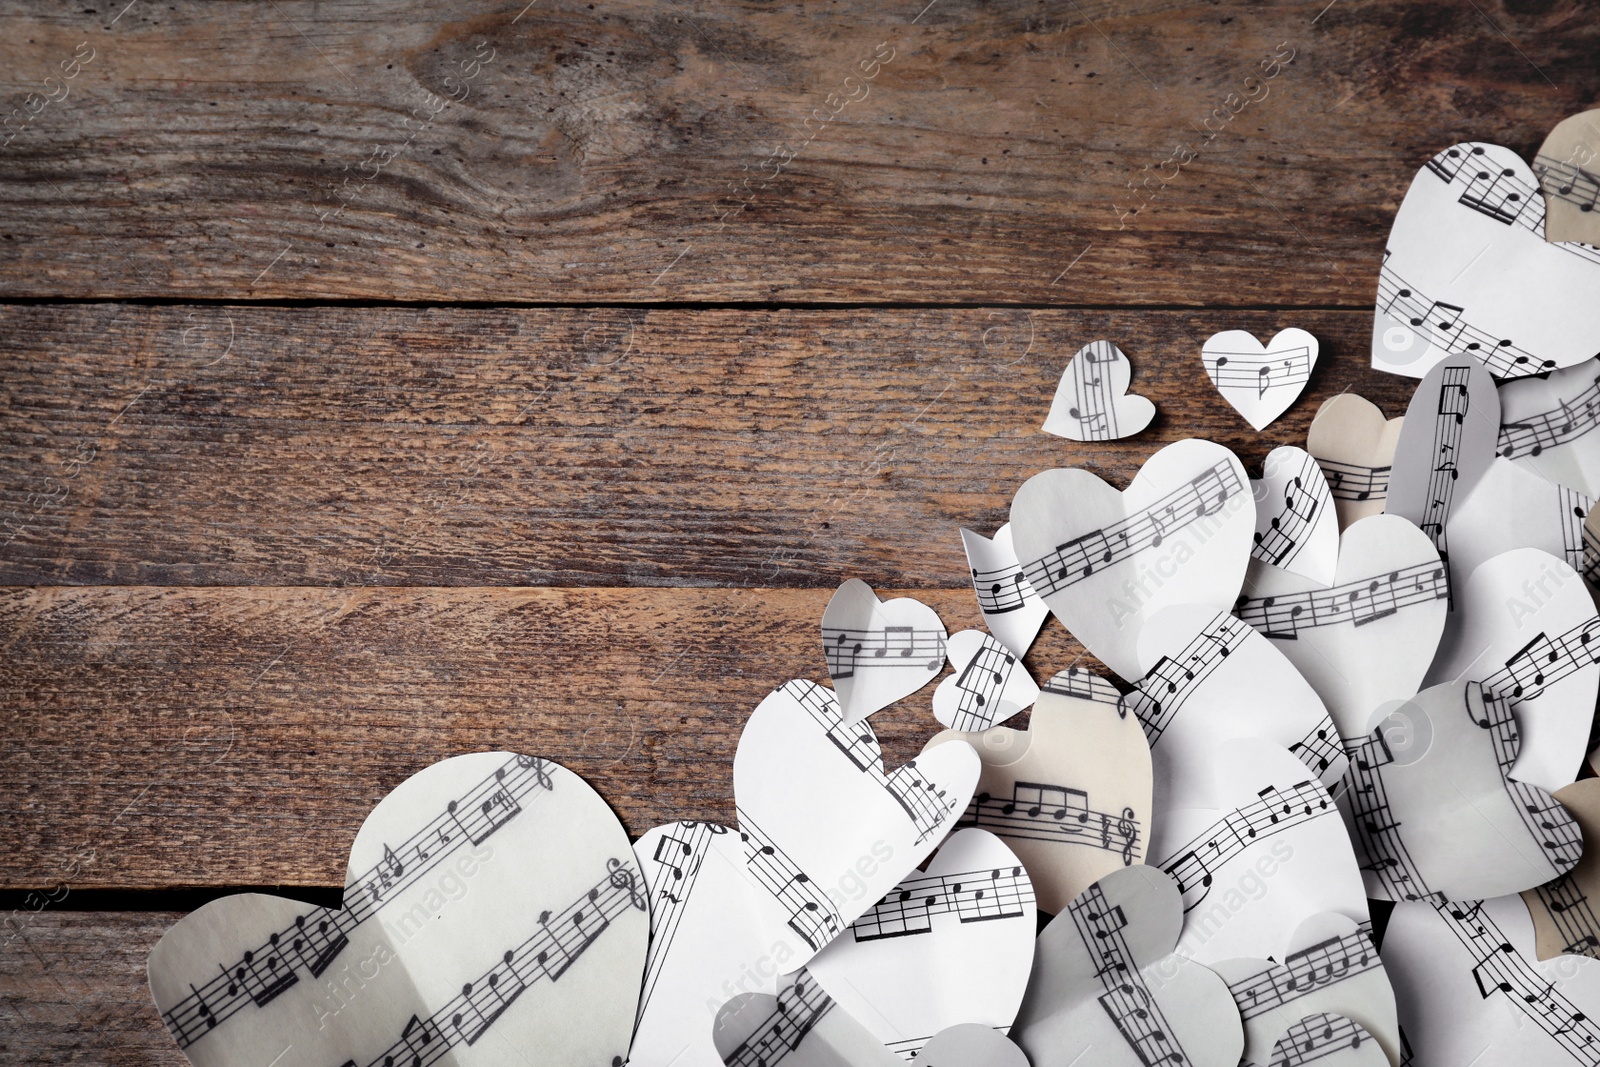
{"type": "Point", "coordinates": [1366, 675]}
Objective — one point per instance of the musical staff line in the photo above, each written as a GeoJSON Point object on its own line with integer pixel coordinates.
{"type": "Point", "coordinates": [1573, 916]}
{"type": "Point", "coordinates": [1261, 371]}
{"type": "Point", "coordinates": [799, 1009]}
{"type": "Point", "coordinates": [1127, 999]}
{"type": "Point", "coordinates": [1503, 194]}
{"type": "Point", "coordinates": [1007, 589]}
{"type": "Point", "coordinates": [1449, 331]}
{"type": "Point", "coordinates": [1038, 811]}
{"type": "Point", "coordinates": [1083, 684]}
{"type": "Point", "coordinates": [849, 650]}
{"type": "Point", "coordinates": [1321, 747]}
{"type": "Point", "coordinates": [1547, 821]}
{"type": "Point", "coordinates": [1451, 414]}
{"type": "Point", "coordinates": [811, 914]}
{"type": "Point", "coordinates": [683, 857]}
{"type": "Point", "coordinates": [1360, 602]}
{"type": "Point", "coordinates": [1377, 832]}
{"type": "Point", "coordinates": [1096, 410]}
{"type": "Point", "coordinates": [1276, 811]}
{"type": "Point", "coordinates": [1548, 429]}
{"type": "Point", "coordinates": [1565, 180]}
{"type": "Point", "coordinates": [1352, 481]}
{"type": "Point", "coordinates": [1543, 662]}
{"type": "Point", "coordinates": [1159, 696]}
{"type": "Point", "coordinates": [980, 685]}
{"type": "Point", "coordinates": [1285, 535]}
{"type": "Point", "coordinates": [971, 896]}
{"type": "Point", "coordinates": [1307, 971]}
{"type": "Point", "coordinates": [1316, 1037]}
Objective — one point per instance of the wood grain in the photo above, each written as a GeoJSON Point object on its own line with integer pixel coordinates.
{"type": "Point", "coordinates": [642, 151]}
{"type": "Point", "coordinates": [371, 447]}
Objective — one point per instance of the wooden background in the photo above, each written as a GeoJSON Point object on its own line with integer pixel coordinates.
{"type": "Point", "coordinates": [386, 382]}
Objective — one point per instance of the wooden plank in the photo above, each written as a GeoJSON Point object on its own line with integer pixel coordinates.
{"type": "Point", "coordinates": [570, 447]}
{"type": "Point", "coordinates": [640, 151]}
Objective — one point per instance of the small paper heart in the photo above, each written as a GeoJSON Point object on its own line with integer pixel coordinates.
{"type": "Point", "coordinates": [879, 651]}
{"type": "Point", "coordinates": [1092, 402]}
{"type": "Point", "coordinates": [1260, 381]}
{"type": "Point", "coordinates": [990, 684]}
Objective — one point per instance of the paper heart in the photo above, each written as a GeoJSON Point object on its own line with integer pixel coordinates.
{"type": "Point", "coordinates": [1106, 561]}
{"type": "Point", "coordinates": [951, 944]}
{"type": "Point", "coordinates": [1092, 403]}
{"type": "Point", "coordinates": [1212, 679]}
{"type": "Point", "coordinates": [970, 1045]}
{"type": "Point", "coordinates": [800, 1026]}
{"type": "Point", "coordinates": [1071, 794]}
{"type": "Point", "coordinates": [1569, 179]}
{"type": "Point", "coordinates": [826, 831]}
{"type": "Point", "coordinates": [1354, 446]}
{"type": "Point", "coordinates": [1511, 507]}
{"type": "Point", "coordinates": [1470, 990]}
{"type": "Point", "coordinates": [1105, 979]}
{"type": "Point", "coordinates": [1546, 426]}
{"type": "Point", "coordinates": [1255, 852]}
{"type": "Point", "coordinates": [1331, 966]}
{"type": "Point", "coordinates": [879, 650]}
{"type": "Point", "coordinates": [1435, 813]}
{"type": "Point", "coordinates": [1467, 270]}
{"type": "Point", "coordinates": [1260, 381]}
{"type": "Point", "coordinates": [1526, 627]}
{"type": "Point", "coordinates": [1563, 910]}
{"type": "Point", "coordinates": [1296, 526]}
{"type": "Point", "coordinates": [990, 684]}
{"type": "Point", "coordinates": [1011, 609]}
{"type": "Point", "coordinates": [547, 955]}
{"type": "Point", "coordinates": [1330, 1040]}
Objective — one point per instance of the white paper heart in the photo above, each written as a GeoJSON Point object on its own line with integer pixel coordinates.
{"type": "Point", "coordinates": [546, 954]}
{"type": "Point", "coordinates": [1547, 424]}
{"type": "Point", "coordinates": [1296, 526]}
{"type": "Point", "coordinates": [970, 1045]}
{"type": "Point", "coordinates": [1011, 609]}
{"type": "Point", "coordinates": [1354, 446]}
{"type": "Point", "coordinates": [826, 831]}
{"type": "Point", "coordinates": [879, 650]}
{"type": "Point", "coordinates": [1330, 1041]}
{"type": "Point", "coordinates": [1511, 507]}
{"type": "Point", "coordinates": [989, 685]}
{"type": "Point", "coordinates": [951, 944]}
{"type": "Point", "coordinates": [1260, 381]}
{"type": "Point", "coordinates": [1468, 271]}
{"type": "Point", "coordinates": [1071, 794]}
{"type": "Point", "coordinates": [1107, 988]}
{"type": "Point", "coordinates": [800, 1026]}
{"type": "Point", "coordinates": [1212, 679]}
{"type": "Point", "coordinates": [1526, 627]}
{"type": "Point", "coordinates": [1570, 180]}
{"type": "Point", "coordinates": [1106, 561]}
{"type": "Point", "coordinates": [1370, 636]}
{"type": "Point", "coordinates": [1433, 812]}
{"type": "Point", "coordinates": [1092, 403]}
{"type": "Point", "coordinates": [1563, 910]}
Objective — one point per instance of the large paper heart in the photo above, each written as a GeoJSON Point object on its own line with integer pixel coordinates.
{"type": "Point", "coordinates": [879, 651]}
{"type": "Point", "coordinates": [990, 684]}
{"type": "Point", "coordinates": [1260, 380]}
{"type": "Point", "coordinates": [826, 831]}
{"type": "Point", "coordinates": [1071, 794]}
{"type": "Point", "coordinates": [1213, 678]}
{"type": "Point", "coordinates": [951, 944]}
{"type": "Point", "coordinates": [1255, 851]}
{"type": "Point", "coordinates": [1107, 988]}
{"type": "Point", "coordinates": [799, 1026]}
{"type": "Point", "coordinates": [1354, 446]}
{"type": "Point", "coordinates": [1471, 992]}
{"type": "Point", "coordinates": [1106, 561]}
{"type": "Point", "coordinates": [1011, 609]}
{"type": "Point", "coordinates": [1370, 636]}
{"type": "Point", "coordinates": [1547, 424]}
{"type": "Point", "coordinates": [1434, 813]}
{"type": "Point", "coordinates": [1570, 180]}
{"type": "Point", "coordinates": [1467, 270]}
{"type": "Point", "coordinates": [1296, 526]}
{"type": "Point", "coordinates": [545, 952]}
{"type": "Point", "coordinates": [1092, 403]}
{"type": "Point", "coordinates": [1511, 507]}
{"type": "Point", "coordinates": [1527, 628]}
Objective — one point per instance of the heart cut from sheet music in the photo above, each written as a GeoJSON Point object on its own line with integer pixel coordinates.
{"type": "Point", "coordinates": [1354, 445]}
{"type": "Point", "coordinates": [1569, 179]}
{"type": "Point", "coordinates": [1212, 678]}
{"type": "Point", "coordinates": [547, 953]}
{"type": "Point", "coordinates": [1107, 987]}
{"type": "Point", "coordinates": [799, 1026]}
{"type": "Point", "coordinates": [1011, 609]}
{"type": "Point", "coordinates": [1296, 526]}
{"type": "Point", "coordinates": [1526, 627]}
{"type": "Point", "coordinates": [950, 944]}
{"type": "Point", "coordinates": [1261, 819]}
{"type": "Point", "coordinates": [1071, 794]}
{"type": "Point", "coordinates": [1330, 1041]}
{"type": "Point", "coordinates": [1092, 403]}
{"type": "Point", "coordinates": [1512, 507]}
{"type": "Point", "coordinates": [1330, 965]}
{"type": "Point", "coordinates": [1431, 810]}
{"type": "Point", "coordinates": [970, 1045]}
{"type": "Point", "coordinates": [826, 832]}
{"type": "Point", "coordinates": [989, 685]}
{"type": "Point", "coordinates": [1261, 381]}
{"type": "Point", "coordinates": [1369, 637]}
{"type": "Point", "coordinates": [1547, 425]}
{"type": "Point", "coordinates": [1468, 271]}
{"type": "Point", "coordinates": [879, 650]}
{"type": "Point", "coordinates": [1470, 990]}
{"type": "Point", "coordinates": [1566, 911]}
{"type": "Point", "coordinates": [1106, 561]}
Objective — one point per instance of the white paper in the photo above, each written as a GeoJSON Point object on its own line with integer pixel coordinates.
{"type": "Point", "coordinates": [826, 831]}
{"type": "Point", "coordinates": [1260, 381]}
{"type": "Point", "coordinates": [1564, 910]}
{"type": "Point", "coordinates": [1071, 794]}
{"type": "Point", "coordinates": [1330, 1041]}
{"type": "Point", "coordinates": [1431, 811]}
{"type": "Point", "coordinates": [1467, 270]}
{"type": "Point", "coordinates": [948, 945]}
{"type": "Point", "coordinates": [1108, 990]}
{"type": "Point", "coordinates": [800, 1026]}
{"type": "Point", "coordinates": [1547, 424]}
{"type": "Point", "coordinates": [1092, 403]}
{"type": "Point", "coordinates": [990, 684]}
{"type": "Point", "coordinates": [1526, 627]}
{"type": "Point", "coordinates": [1011, 609]}
{"type": "Point", "coordinates": [1512, 507]}
{"type": "Point", "coordinates": [492, 905]}
{"type": "Point", "coordinates": [1296, 525]}
{"type": "Point", "coordinates": [1212, 679]}
{"type": "Point", "coordinates": [879, 650]}
{"type": "Point", "coordinates": [1370, 636]}
{"type": "Point", "coordinates": [1354, 446]}
{"type": "Point", "coordinates": [1570, 178]}
{"type": "Point", "coordinates": [1106, 561]}
{"type": "Point", "coordinates": [970, 1045]}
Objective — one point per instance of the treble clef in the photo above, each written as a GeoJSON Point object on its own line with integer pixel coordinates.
{"type": "Point", "coordinates": [1129, 830]}
{"type": "Point", "coordinates": [623, 878]}
{"type": "Point", "coordinates": [537, 765]}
